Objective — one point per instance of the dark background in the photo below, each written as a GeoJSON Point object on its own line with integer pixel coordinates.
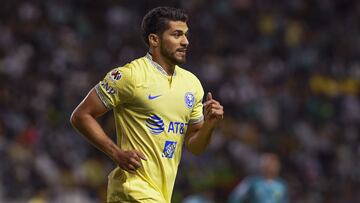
{"type": "Point", "coordinates": [287, 73]}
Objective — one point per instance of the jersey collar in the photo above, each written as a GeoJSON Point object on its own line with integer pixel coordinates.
{"type": "Point", "coordinates": [156, 65]}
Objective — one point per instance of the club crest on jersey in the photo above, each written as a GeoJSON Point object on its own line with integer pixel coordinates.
{"type": "Point", "coordinates": [189, 99]}
{"type": "Point", "coordinates": [155, 124]}
{"type": "Point", "coordinates": [115, 75]}
{"type": "Point", "coordinates": [169, 149]}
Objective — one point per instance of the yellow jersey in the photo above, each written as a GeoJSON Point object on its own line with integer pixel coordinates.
{"type": "Point", "coordinates": [152, 112]}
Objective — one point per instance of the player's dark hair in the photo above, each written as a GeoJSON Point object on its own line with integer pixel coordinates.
{"type": "Point", "coordinates": [156, 20]}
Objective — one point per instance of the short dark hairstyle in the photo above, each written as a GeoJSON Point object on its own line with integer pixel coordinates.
{"type": "Point", "coordinates": [156, 20]}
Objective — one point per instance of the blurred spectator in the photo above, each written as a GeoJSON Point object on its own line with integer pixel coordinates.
{"type": "Point", "coordinates": [266, 187]}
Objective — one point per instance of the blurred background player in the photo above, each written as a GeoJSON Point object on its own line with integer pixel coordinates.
{"type": "Point", "coordinates": [264, 188]}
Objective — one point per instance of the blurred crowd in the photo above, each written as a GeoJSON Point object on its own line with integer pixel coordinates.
{"type": "Point", "coordinates": [287, 73]}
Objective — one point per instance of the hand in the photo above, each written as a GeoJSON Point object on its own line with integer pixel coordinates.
{"type": "Point", "coordinates": [214, 111]}
{"type": "Point", "coordinates": [130, 160]}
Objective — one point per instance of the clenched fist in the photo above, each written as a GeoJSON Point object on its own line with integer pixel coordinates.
{"type": "Point", "coordinates": [213, 110]}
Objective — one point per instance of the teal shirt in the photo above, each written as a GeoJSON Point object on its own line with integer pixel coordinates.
{"type": "Point", "coordinates": [256, 189]}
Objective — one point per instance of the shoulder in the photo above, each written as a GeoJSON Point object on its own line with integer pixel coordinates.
{"type": "Point", "coordinates": [252, 179]}
{"type": "Point", "coordinates": [186, 73]}
{"type": "Point", "coordinates": [125, 74]}
{"type": "Point", "coordinates": [130, 66]}
{"type": "Point", "coordinates": [138, 63]}
{"type": "Point", "coordinates": [189, 76]}
{"type": "Point", "coordinates": [130, 71]}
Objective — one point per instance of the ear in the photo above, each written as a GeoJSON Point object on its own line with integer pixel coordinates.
{"type": "Point", "coordinates": [154, 40]}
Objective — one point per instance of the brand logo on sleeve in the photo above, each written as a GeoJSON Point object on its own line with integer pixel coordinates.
{"type": "Point", "coordinates": [155, 124]}
{"type": "Point", "coordinates": [189, 99]}
{"type": "Point", "coordinates": [169, 149]}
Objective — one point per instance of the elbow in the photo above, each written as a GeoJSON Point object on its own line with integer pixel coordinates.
{"type": "Point", "coordinates": [198, 152]}
{"type": "Point", "coordinates": [194, 151]}
{"type": "Point", "coordinates": [192, 148]}
{"type": "Point", "coordinates": [74, 118]}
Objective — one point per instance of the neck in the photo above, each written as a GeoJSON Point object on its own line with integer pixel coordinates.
{"type": "Point", "coordinates": [168, 66]}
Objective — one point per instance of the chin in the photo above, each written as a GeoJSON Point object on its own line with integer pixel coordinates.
{"type": "Point", "coordinates": [180, 60]}
{"type": "Point", "coordinates": [177, 61]}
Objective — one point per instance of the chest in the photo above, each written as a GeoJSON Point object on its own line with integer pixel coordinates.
{"type": "Point", "coordinates": [172, 99]}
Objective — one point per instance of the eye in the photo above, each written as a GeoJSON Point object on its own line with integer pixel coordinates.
{"type": "Point", "coordinates": [177, 35]}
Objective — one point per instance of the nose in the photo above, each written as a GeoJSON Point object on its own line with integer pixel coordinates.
{"type": "Point", "coordinates": [184, 41]}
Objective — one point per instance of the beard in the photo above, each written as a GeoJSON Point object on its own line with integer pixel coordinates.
{"type": "Point", "coordinates": [171, 56]}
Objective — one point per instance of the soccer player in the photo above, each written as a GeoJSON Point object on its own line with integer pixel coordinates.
{"type": "Point", "coordinates": [157, 108]}
{"type": "Point", "coordinates": [264, 188]}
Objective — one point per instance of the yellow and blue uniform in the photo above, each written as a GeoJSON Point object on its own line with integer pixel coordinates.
{"type": "Point", "coordinates": [152, 112]}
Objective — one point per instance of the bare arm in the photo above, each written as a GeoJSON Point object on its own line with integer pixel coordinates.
{"type": "Point", "coordinates": [84, 121]}
{"type": "Point", "coordinates": [198, 135]}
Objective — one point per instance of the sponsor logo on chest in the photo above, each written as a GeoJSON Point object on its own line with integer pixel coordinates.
{"type": "Point", "coordinates": [156, 126]}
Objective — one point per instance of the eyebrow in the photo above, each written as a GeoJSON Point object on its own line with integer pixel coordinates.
{"type": "Point", "coordinates": [181, 32]}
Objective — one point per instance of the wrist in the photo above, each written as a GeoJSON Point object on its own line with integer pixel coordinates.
{"type": "Point", "coordinates": [210, 124]}
{"type": "Point", "coordinates": [114, 152]}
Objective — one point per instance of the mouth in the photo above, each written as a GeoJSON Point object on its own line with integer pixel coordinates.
{"type": "Point", "coordinates": [183, 51]}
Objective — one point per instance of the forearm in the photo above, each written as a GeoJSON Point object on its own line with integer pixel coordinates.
{"type": "Point", "coordinates": [198, 135]}
{"type": "Point", "coordinates": [199, 141]}
{"type": "Point", "coordinates": [94, 133]}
